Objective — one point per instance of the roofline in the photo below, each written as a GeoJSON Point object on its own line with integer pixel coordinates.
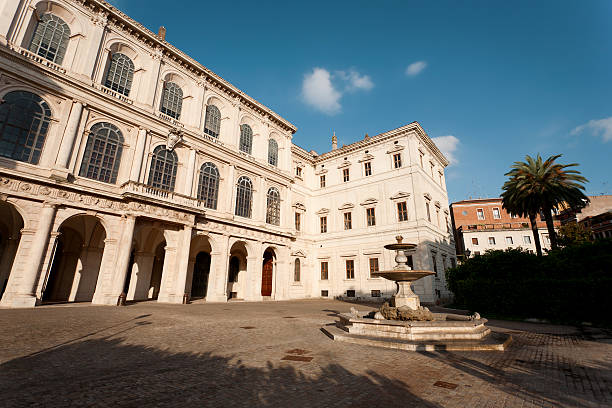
{"type": "Point", "coordinates": [193, 65]}
{"type": "Point", "coordinates": [477, 201]}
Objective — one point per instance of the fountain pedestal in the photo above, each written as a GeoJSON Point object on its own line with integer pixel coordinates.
{"type": "Point", "coordinates": [405, 296]}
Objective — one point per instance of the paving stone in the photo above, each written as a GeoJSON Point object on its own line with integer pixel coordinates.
{"type": "Point", "coordinates": [200, 354]}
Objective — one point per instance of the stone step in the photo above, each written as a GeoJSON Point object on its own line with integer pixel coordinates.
{"type": "Point", "coordinates": [471, 333]}
{"type": "Point", "coordinates": [492, 342]}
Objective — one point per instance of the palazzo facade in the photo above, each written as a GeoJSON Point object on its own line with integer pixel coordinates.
{"type": "Point", "coordinates": [126, 167]}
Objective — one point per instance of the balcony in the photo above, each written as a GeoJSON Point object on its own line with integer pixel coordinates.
{"type": "Point", "coordinates": [169, 119]}
{"type": "Point", "coordinates": [37, 59]}
{"type": "Point", "coordinates": [134, 189]}
{"type": "Point", "coordinates": [112, 93]}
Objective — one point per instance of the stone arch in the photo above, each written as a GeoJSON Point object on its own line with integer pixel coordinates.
{"type": "Point", "coordinates": [198, 272]}
{"type": "Point", "coordinates": [237, 269]}
{"type": "Point", "coordinates": [76, 259]}
{"type": "Point", "coordinates": [12, 222]}
{"type": "Point", "coordinates": [147, 262]}
{"type": "Point", "coordinates": [268, 270]}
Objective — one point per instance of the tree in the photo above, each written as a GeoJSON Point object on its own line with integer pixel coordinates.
{"type": "Point", "coordinates": [574, 233]}
{"type": "Point", "coordinates": [539, 186]}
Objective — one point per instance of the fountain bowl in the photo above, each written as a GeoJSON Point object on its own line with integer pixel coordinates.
{"type": "Point", "coordinates": [403, 275]}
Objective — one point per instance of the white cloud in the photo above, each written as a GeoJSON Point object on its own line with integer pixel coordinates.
{"type": "Point", "coordinates": [601, 127]}
{"type": "Point", "coordinates": [415, 68]}
{"type": "Point", "coordinates": [322, 90]}
{"type": "Point", "coordinates": [448, 146]}
{"type": "Point", "coordinates": [319, 92]}
{"type": "Point", "coordinates": [355, 81]}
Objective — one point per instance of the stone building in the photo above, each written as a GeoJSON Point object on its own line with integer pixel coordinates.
{"type": "Point", "coordinates": [482, 224]}
{"type": "Point", "coordinates": [128, 167]}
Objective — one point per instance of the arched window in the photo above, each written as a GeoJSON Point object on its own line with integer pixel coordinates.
{"type": "Point", "coordinates": [296, 270]}
{"type": "Point", "coordinates": [244, 197]}
{"type": "Point", "coordinates": [163, 169]}
{"type": "Point", "coordinates": [102, 153]}
{"type": "Point", "coordinates": [273, 208]}
{"type": "Point", "coordinates": [120, 74]}
{"type": "Point", "coordinates": [24, 120]}
{"type": "Point", "coordinates": [50, 38]}
{"type": "Point", "coordinates": [172, 100]}
{"type": "Point", "coordinates": [212, 124]}
{"type": "Point", "coordinates": [273, 152]}
{"type": "Point", "coordinates": [208, 188]}
{"type": "Point", "coordinates": [246, 139]}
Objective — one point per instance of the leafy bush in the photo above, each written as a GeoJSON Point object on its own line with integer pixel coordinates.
{"type": "Point", "coordinates": [572, 284]}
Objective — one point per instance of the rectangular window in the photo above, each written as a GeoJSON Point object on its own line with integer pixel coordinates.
{"type": "Point", "coordinates": [438, 216]}
{"type": "Point", "coordinates": [440, 174]}
{"type": "Point", "coordinates": [375, 293]}
{"type": "Point", "coordinates": [373, 265]}
{"type": "Point", "coordinates": [496, 213]}
{"type": "Point", "coordinates": [348, 224]}
{"type": "Point", "coordinates": [527, 239]}
{"type": "Point", "coordinates": [402, 211]}
{"type": "Point", "coordinates": [428, 211]}
{"type": "Point", "coordinates": [324, 293]}
{"type": "Point", "coordinates": [324, 270]}
{"type": "Point", "coordinates": [350, 269]}
{"type": "Point", "coordinates": [546, 238]}
{"type": "Point", "coordinates": [447, 224]}
{"type": "Point", "coordinates": [477, 253]}
{"type": "Point", "coordinates": [432, 168]}
{"type": "Point", "coordinates": [298, 171]}
{"type": "Point", "coordinates": [345, 175]}
{"type": "Point", "coordinates": [371, 216]}
{"type": "Point", "coordinates": [323, 224]}
{"type": "Point", "coordinates": [421, 159]}
{"type": "Point", "coordinates": [480, 213]}
{"type": "Point", "coordinates": [435, 262]}
{"type": "Point", "coordinates": [474, 241]}
{"type": "Point", "coordinates": [491, 240]}
{"type": "Point", "coordinates": [350, 293]}
{"type": "Point", "coordinates": [397, 160]}
{"type": "Point", "coordinates": [297, 221]}
{"type": "Point", "coordinates": [367, 167]}
{"type": "Point", "coordinates": [322, 180]}
{"type": "Point", "coordinates": [509, 240]}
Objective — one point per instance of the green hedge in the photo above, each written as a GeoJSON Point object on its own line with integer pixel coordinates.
{"type": "Point", "coordinates": [573, 284]}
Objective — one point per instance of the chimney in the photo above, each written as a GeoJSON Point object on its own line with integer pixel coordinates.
{"type": "Point", "coordinates": [161, 34]}
{"type": "Point", "coordinates": [334, 142]}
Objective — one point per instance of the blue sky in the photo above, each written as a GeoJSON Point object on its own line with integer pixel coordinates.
{"type": "Point", "coordinates": [490, 81]}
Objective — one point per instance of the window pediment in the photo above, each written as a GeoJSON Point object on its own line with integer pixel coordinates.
{"type": "Point", "coordinates": [321, 171]}
{"type": "Point", "coordinates": [369, 201]}
{"type": "Point", "coordinates": [299, 206]}
{"type": "Point", "coordinates": [344, 164]}
{"type": "Point", "coordinates": [427, 196]}
{"type": "Point", "coordinates": [298, 253]}
{"type": "Point", "coordinates": [346, 206]}
{"type": "Point", "coordinates": [395, 148]}
{"type": "Point", "coordinates": [366, 157]}
{"type": "Point", "coordinates": [323, 211]}
{"type": "Point", "coordinates": [437, 204]}
{"type": "Point", "coordinates": [401, 195]}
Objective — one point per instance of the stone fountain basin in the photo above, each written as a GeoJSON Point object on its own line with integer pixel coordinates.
{"type": "Point", "coordinates": [403, 276]}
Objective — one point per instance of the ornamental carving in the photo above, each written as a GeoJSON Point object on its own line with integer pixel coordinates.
{"type": "Point", "coordinates": [174, 137]}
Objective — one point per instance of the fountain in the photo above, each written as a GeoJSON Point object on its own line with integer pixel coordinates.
{"type": "Point", "coordinates": [405, 324]}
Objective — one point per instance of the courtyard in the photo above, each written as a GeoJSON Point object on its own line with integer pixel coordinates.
{"type": "Point", "coordinates": [274, 354]}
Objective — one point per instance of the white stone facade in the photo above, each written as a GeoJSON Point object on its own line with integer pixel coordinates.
{"type": "Point", "coordinates": [85, 216]}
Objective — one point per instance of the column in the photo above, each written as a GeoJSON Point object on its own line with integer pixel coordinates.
{"type": "Point", "coordinates": [187, 188]}
{"type": "Point", "coordinates": [141, 276]}
{"type": "Point", "coordinates": [252, 283]}
{"type": "Point", "coordinates": [183, 264]}
{"type": "Point", "coordinates": [138, 155]}
{"type": "Point", "coordinates": [25, 295]}
{"type": "Point", "coordinates": [219, 269]}
{"type": "Point", "coordinates": [230, 188]}
{"type": "Point", "coordinates": [70, 134]}
{"type": "Point", "coordinates": [123, 255]}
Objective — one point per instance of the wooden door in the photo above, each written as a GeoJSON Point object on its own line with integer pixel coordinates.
{"type": "Point", "coordinates": [266, 276]}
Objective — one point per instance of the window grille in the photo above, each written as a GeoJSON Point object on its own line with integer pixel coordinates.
{"type": "Point", "coordinates": [273, 207]}
{"type": "Point", "coordinates": [50, 38]}
{"type": "Point", "coordinates": [212, 123]}
{"type": "Point", "coordinates": [172, 100]}
{"type": "Point", "coordinates": [120, 74]}
{"type": "Point", "coordinates": [246, 139]}
{"type": "Point", "coordinates": [367, 168]}
{"type": "Point", "coordinates": [348, 224]}
{"type": "Point", "coordinates": [208, 188]}
{"type": "Point", "coordinates": [371, 217]}
{"type": "Point", "coordinates": [323, 181]}
{"type": "Point", "coordinates": [24, 121]}
{"type": "Point", "coordinates": [345, 175]}
{"type": "Point", "coordinates": [244, 197]}
{"type": "Point", "coordinates": [273, 152]}
{"type": "Point", "coordinates": [323, 224]}
{"type": "Point", "coordinates": [397, 160]}
{"type": "Point", "coordinates": [102, 153]}
{"type": "Point", "coordinates": [164, 164]}
{"type": "Point", "coordinates": [402, 211]}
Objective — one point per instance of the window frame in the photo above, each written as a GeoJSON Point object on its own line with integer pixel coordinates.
{"type": "Point", "coordinates": [97, 162]}
{"type": "Point", "coordinates": [273, 152]}
{"type": "Point", "coordinates": [323, 223]}
{"type": "Point", "coordinates": [62, 38]}
{"type": "Point", "coordinates": [208, 185]}
{"type": "Point", "coordinates": [367, 169]}
{"type": "Point", "coordinates": [371, 217]}
{"type": "Point", "coordinates": [324, 268]}
{"type": "Point", "coordinates": [245, 143]}
{"type": "Point", "coordinates": [212, 121]}
{"type": "Point", "coordinates": [171, 100]}
{"type": "Point", "coordinates": [273, 206]}
{"type": "Point", "coordinates": [244, 197]}
{"type": "Point", "coordinates": [121, 67]}
{"type": "Point", "coordinates": [163, 168]}
{"type": "Point", "coordinates": [350, 272]}
{"type": "Point", "coordinates": [373, 266]}
{"type": "Point", "coordinates": [397, 160]}
{"type": "Point", "coordinates": [348, 220]}
{"type": "Point", "coordinates": [402, 213]}
{"type": "Point", "coordinates": [346, 175]}
{"type": "Point", "coordinates": [322, 181]}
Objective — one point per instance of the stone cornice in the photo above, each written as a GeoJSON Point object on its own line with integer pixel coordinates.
{"type": "Point", "coordinates": [121, 21]}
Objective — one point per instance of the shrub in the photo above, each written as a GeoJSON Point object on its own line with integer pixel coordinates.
{"type": "Point", "coordinates": [572, 284]}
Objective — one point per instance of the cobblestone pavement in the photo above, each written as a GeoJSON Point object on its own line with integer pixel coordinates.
{"type": "Point", "coordinates": [274, 354]}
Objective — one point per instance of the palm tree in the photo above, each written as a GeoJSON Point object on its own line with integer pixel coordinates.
{"type": "Point", "coordinates": [539, 186]}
